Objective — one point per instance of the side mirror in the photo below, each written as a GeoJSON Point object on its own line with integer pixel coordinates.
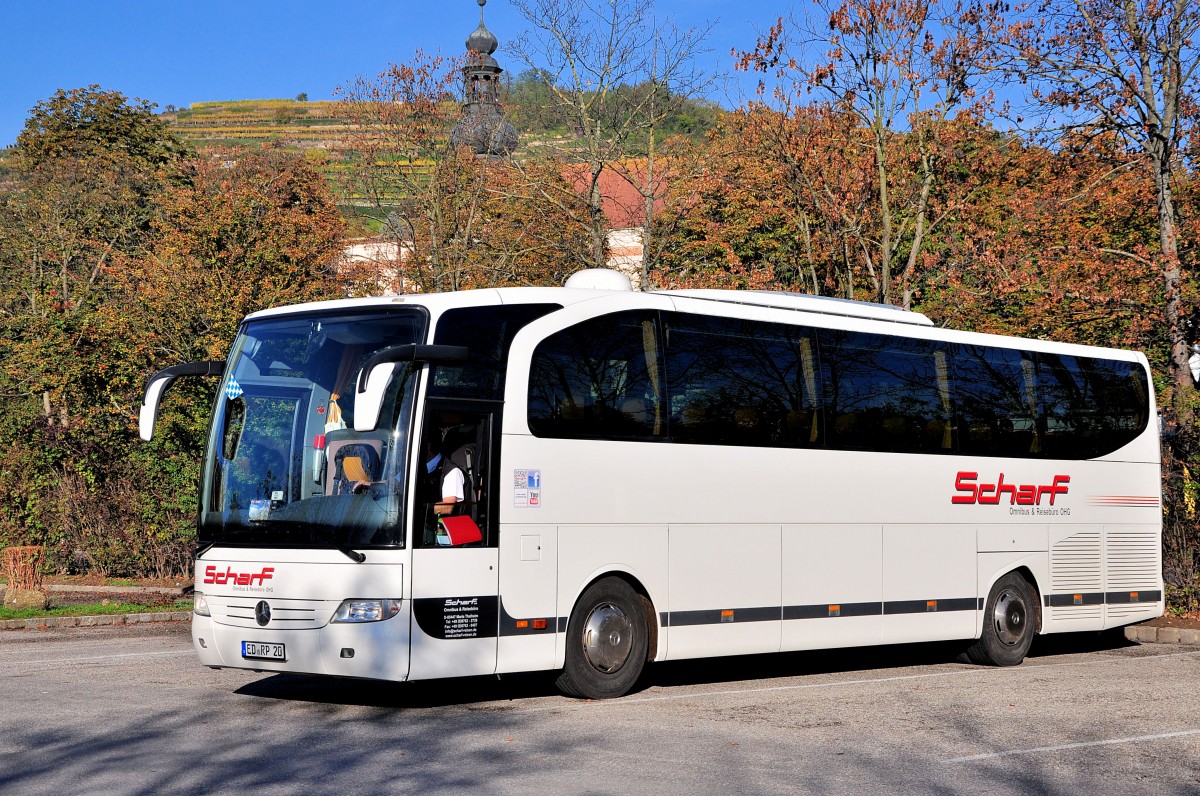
{"type": "Point", "coordinates": [369, 400]}
{"type": "Point", "coordinates": [376, 374]}
{"type": "Point", "coordinates": [158, 384]}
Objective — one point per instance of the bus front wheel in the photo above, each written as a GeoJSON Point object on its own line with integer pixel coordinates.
{"type": "Point", "coordinates": [1009, 621]}
{"type": "Point", "coordinates": [606, 642]}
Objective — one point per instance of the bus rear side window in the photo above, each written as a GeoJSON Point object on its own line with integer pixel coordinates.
{"type": "Point", "coordinates": [997, 401]}
{"type": "Point", "coordinates": [1091, 406]}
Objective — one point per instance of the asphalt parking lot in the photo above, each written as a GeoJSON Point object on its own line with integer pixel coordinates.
{"type": "Point", "coordinates": [127, 710]}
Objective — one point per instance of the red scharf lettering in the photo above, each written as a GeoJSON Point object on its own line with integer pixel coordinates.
{"type": "Point", "coordinates": [211, 576]}
{"type": "Point", "coordinates": [971, 492]}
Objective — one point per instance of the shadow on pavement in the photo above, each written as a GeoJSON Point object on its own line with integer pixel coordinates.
{"type": "Point", "coordinates": [730, 671]}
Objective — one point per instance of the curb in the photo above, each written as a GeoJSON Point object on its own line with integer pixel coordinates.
{"type": "Point", "coordinates": [46, 622]}
{"type": "Point", "coordinates": [1162, 635]}
{"type": "Point", "coordinates": [177, 590]}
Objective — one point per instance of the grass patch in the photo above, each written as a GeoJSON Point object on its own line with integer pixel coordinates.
{"type": "Point", "coordinates": [104, 607]}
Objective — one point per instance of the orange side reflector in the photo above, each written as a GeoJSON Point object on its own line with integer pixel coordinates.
{"type": "Point", "coordinates": [521, 623]}
{"type": "Point", "coordinates": [835, 610]}
{"type": "Point", "coordinates": [1077, 599]}
{"type": "Point", "coordinates": [931, 605]}
{"type": "Point", "coordinates": [1133, 596]}
{"type": "Point", "coordinates": [539, 624]}
{"type": "Point", "coordinates": [727, 616]}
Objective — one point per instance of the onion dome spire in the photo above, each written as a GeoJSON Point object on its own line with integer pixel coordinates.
{"type": "Point", "coordinates": [482, 40]}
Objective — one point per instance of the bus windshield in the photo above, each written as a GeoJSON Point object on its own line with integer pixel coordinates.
{"type": "Point", "coordinates": [284, 465]}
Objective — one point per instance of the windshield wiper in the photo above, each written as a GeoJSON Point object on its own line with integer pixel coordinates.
{"type": "Point", "coordinates": [353, 555]}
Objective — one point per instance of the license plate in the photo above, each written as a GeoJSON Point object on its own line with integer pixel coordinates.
{"type": "Point", "coordinates": [263, 652]}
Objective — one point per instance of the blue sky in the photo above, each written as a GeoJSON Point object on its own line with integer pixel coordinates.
{"type": "Point", "coordinates": [184, 51]}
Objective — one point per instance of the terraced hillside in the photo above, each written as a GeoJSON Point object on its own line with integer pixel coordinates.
{"type": "Point", "coordinates": [289, 123]}
{"type": "Point", "coordinates": [221, 129]}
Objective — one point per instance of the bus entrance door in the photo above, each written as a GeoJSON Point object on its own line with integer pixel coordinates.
{"type": "Point", "coordinates": [455, 582]}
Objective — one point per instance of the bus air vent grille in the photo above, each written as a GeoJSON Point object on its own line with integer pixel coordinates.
{"type": "Point", "coordinates": [1132, 558]}
{"type": "Point", "coordinates": [1072, 612]}
{"type": "Point", "coordinates": [1075, 563]}
{"type": "Point", "coordinates": [1119, 611]}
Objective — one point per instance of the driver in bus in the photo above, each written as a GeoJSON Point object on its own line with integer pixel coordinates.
{"type": "Point", "coordinates": [453, 480]}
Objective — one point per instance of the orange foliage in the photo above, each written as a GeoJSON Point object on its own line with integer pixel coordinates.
{"type": "Point", "coordinates": [233, 240]}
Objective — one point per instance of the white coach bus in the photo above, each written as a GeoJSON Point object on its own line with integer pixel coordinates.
{"type": "Point", "coordinates": [658, 476]}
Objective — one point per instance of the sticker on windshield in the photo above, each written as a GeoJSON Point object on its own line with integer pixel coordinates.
{"type": "Point", "coordinates": [259, 510]}
{"type": "Point", "coordinates": [233, 389]}
{"type": "Point", "coordinates": [527, 488]}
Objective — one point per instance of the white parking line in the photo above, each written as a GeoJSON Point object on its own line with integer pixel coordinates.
{"type": "Point", "coordinates": [116, 656]}
{"type": "Point", "coordinates": [1078, 745]}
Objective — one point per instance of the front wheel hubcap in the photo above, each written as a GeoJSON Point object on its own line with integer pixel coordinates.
{"type": "Point", "coordinates": [607, 638]}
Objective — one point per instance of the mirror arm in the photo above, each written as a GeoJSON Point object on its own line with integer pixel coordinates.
{"type": "Point", "coordinates": [410, 353]}
{"type": "Point", "coordinates": [158, 384]}
{"type": "Point", "coordinates": [186, 369]}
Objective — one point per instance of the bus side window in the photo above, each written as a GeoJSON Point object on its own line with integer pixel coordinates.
{"type": "Point", "coordinates": [733, 381]}
{"type": "Point", "coordinates": [600, 379]}
{"type": "Point", "coordinates": [997, 409]}
{"type": "Point", "coordinates": [886, 393]}
{"type": "Point", "coordinates": [1091, 406]}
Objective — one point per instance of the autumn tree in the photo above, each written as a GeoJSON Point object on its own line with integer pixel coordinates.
{"type": "Point", "coordinates": [781, 190]}
{"type": "Point", "coordinates": [533, 225]}
{"type": "Point", "coordinates": [614, 72]}
{"type": "Point", "coordinates": [1129, 68]}
{"type": "Point", "coordinates": [403, 166]}
{"type": "Point", "coordinates": [1057, 244]}
{"type": "Point", "coordinates": [902, 69]}
{"type": "Point", "coordinates": [233, 238]}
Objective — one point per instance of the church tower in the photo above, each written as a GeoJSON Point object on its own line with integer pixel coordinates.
{"type": "Point", "coordinates": [482, 126]}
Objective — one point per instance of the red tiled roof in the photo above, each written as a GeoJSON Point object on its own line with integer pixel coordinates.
{"type": "Point", "coordinates": [624, 207]}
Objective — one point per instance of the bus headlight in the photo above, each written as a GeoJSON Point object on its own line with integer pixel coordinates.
{"type": "Point", "coordinates": [366, 610]}
{"type": "Point", "coordinates": [200, 604]}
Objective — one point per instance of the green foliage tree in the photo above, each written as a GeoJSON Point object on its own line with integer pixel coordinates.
{"type": "Point", "coordinates": [90, 168]}
{"type": "Point", "coordinates": [121, 255]}
{"type": "Point", "coordinates": [96, 123]}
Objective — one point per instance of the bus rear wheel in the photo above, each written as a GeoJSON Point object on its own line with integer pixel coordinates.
{"type": "Point", "coordinates": [1008, 623]}
{"type": "Point", "coordinates": [606, 642]}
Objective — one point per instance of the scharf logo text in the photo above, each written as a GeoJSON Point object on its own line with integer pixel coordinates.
{"type": "Point", "coordinates": [1018, 494]}
{"type": "Point", "coordinates": [236, 578]}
